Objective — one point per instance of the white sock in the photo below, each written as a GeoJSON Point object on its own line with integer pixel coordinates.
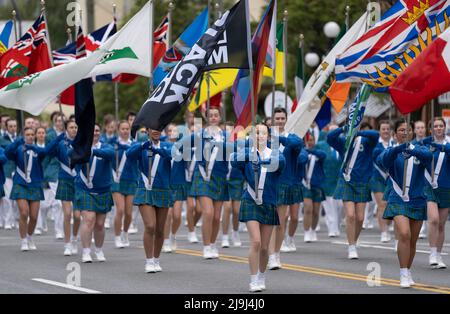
{"type": "Point", "coordinates": [404, 272]}
{"type": "Point", "coordinates": [150, 260]}
{"type": "Point", "coordinates": [253, 278]}
{"type": "Point", "coordinates": [352, 247]}
{"type": "Point", "coordinates": [25, 240]}
{"type": "Point", "coordinates": [261, 276]}
{"type": "Point", "coordinates": [433, 251]}
{"type": "Point", "coordinates": [172, 236]}
{"type": "Point", "coordinates": [156, 260]}
{"type": "Point", "coordinates": [98, 250]}
{"type": "Point", "coordinates": [86, 251]}
{"type": "Point", "coordinates": [225, 237]}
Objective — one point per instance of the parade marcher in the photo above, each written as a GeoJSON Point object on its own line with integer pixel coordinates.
{"type": "Point", "coordinates": [379, 178]}
{"type": "Point", "coordinates": [288, 192]}
{"type": "Point", "coordinates": [438, 192]}
{"type": "Point", "coordinates": [93, 196]}
{"type": "Point", "coordinates": [3, 128]}
{"type": "Point", "coordinates": [125, 179]}
{"type": "Point", "coordinates": [3, 161]}
{"type": "Point", "coordinates": [420, 131]}
{"type": "Point", "coordinates": [209, 184]}
{"type": "Point", "coordinates": [153, 194]}
{"type": "Point", "coordinates": [27, 187]}
{"type": "Point", "coordinates": [406, 202]}
{"type": "Point", "coordinates": [258, 206]}
{"type": "Point", "coordinates": [353, 185]}
{"type": "Point", "coordinates": [313, 193]}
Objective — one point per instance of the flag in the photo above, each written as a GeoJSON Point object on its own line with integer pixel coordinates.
{"type": "Point", "coordinates": [34, 92]}
{"type": "Point", "coordinates": [220, 46]}
{"type": "Point", "coordinates": [181, 47]}
{"type": "Point", "coordinates": [279, 52]}
{"type": "Point", "coordinates": [5, 36]}
{"type": "Point", "coordinates": [309, 105]}
{"type": "Point", "coordinates": [27, 56]}
{"type": "Point", "coordinates": [338, 95]}
{"type": "Point", "coordinates": [426, 78]}
{"type": "Point", "coordinates": [384, 51]}
{"type": "Point", "coordinates": [85, 119]}
{"type": "Point", "coordinates": [324, 115]}
{"type": "Point", "coordinates": [356, 113]}
{"type": "Point", "coordinates": [219, 80]}
{"type": "Point", "coordinates": [241, 89]}
{"type": "Point", "coordinates": [300, 74]}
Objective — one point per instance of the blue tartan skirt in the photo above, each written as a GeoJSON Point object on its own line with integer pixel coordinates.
{"type": "Point", "coordinates": [20, 192]}
{"type": "Point", "coordinates": [440, 196]}
{"type": "Point", "coordinates": [430, 194]}
{"type": "Point", "coordinates": [406, 210]}
{"type": "Point", "coordinates": [161, 198]}
{"type": "Point", "coordinates": [216, 188]}
{"type": "Point", "coordinates": [265, 214]}
{"type": "Point", "coordinates": [180, 192]}
{"type": "Point", "coordinates": [99, 203]}
{"type": "Point", "coordinates": [316, 194]}
{"type": "Point", "coordinates": [352, 192]}
{"type": "Point", "coordinates": [65, 190]}
{"type": "Point", "coordinates": [235, 189]}
{"type": "Point", "coordinates": [124, 187]}
{"type": "Point", "coordinates": [289, 194]}
{"type": "Point", "coordinates": [2, 192]}
{"type": "Point", "coordinates": [377, 184]}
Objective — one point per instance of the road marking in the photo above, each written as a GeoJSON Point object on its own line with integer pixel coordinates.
{"type": "Point", "coordinates": [66, 286]}
{"type": "Point", "coordinates": [325, 272]}
{"type": "Point", "coordinates": [362, 244]}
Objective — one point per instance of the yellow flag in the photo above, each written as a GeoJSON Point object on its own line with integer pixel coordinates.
{"type": "Point", "coordinates": [268, 72]}
{"type": "Point", "coordinates": [219, 81]}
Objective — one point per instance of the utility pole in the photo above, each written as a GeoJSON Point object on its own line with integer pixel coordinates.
{"type": "Point", "coordinates": [90, 15]}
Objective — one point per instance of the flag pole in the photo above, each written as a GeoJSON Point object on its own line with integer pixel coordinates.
{"type": "Point", "coordinates": [169, 30]}
{"type": "Point", "coordinates": [274, 66]}
{"type": "Point", "coordinates": [432, 139]}
{"type": "Point", "coordinates": [208, 77]}
{"type": "Point", "coordinates": [405, 161]}
{"type": "Point", "coordinates": [347, 26]}
{"type": "Point", "coordinates": [116, 84]}
{"type": "Point", "coordinates": [285, 48]}
{"type": "Point", "coordinates": [151, 45]}
{"type": "Point", "coordinates": [19, 113]}
{"type": "Point", "coordinates": [219, 15]}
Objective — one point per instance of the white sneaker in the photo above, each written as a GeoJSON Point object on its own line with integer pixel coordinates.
{"type": "Point", "coordinates": [391, 228]}
{"type": "Point", "coordinates": [107, 224]}
{"type": "Point", "coordinates": [370, 225]}
{"type": "Point", "coordinates": [441, 264]}
{"type": "Point", "coordinates": [24, 245]}
{"type": "Point", "coordinates": [118, 243]}
{"type": "Point", "coordinates": [254, 287]}
{"type": "Point", "coordinates": [313, 235]}
{"type": "Point", "coordinates": [236, 239]}
{"type": "Point", "coordinates": [395, 245]}
{"type": "Point", "coordinates": [207, 254]}
{"type": "Point", "coordinates": [67, 249]}
{"type": "Point", "coordinates": [278, 260]}
{"type": "Point", "coordinates": [59, 236]}
{"type": "Point", "coordinates": [262, 282]}
{"type": "Point", "coordinates": [125, 240]}
{"type": "Point", "coordinates": [433, 260]}
{"type": "Point", "coordinates": [86, 258]}
{"type": "Point", "coordinates": [404, 281]}
{"type": "Point", "coordinates": [352, 252]}
{"type": "Point", "coordinates": [284, 247]}
{"type": "Point", "coordinates": [173, 244]}
{"type": "Point", "coordinates": [74, 247]}
{"type": "Point", "coordinates": [37, 231]}
{"type": "Point", "coordinates": [307, 237]}
{"type": "Point", "coordinates": [225, 242]}
{"type": "Point", "coordinates": [385, 237]}
{"type": "Point", "coordinates": [31, 244]}
{"type": "Point", "coordinates": [317, 228]}
{"type": "Point", "coordinates": [100, 257]}
{"type": "Point", "coordinates": [8, 227]}
{"type": "Point", "coordinates": [150, 267]}
{"type": "Point", "coordinates": [192, 237]}
{"type": "Point", "coordinates": [158, 268]}
{"type": "Point", "coordinates": [167, 248]}
{"type": "Point", "coordinates": [273, 264]}
{"type": "Point", "coordinates": [411, 281]}
{"type": "Point", "coordinates": [292, 247]}
{"type": "Point", "coordinates": [132, 230]}
{"type": "Point", "coordinates": [214, 251]}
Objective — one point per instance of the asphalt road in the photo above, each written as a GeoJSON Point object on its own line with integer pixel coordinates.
{"type": "Point", "coordinates": [320, 267]}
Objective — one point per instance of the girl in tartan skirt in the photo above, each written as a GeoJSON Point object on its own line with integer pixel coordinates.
{"type": "Point", "coordinates": [66, 187]}
{"type": "Point", "coordinates": [3, 161]}
{"type": "Point", "coordinates": [258, 206]}
{"type": "Point", "coordinates": [406, 202]}
{"type": "Point", "coordinates": [93, 196]}
{"type": "Point", "coordinates": [125, 179]}
{"type": "Point", "coordinates": [438, 192]}
{"type": "Point", "coordinates": [27, 183]}
{"type": "Point", "coordinates": [353, 185]}
{"type": "Point", "coordinates": [153, 194]}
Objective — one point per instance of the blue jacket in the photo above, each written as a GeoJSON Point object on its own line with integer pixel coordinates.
{"type": "Point", "coordinates": [102, 176]}
{"type": "Point", "coordinates": [290, 147]}
{"type": "Point", "coordinates": [443, 179]}
{"type": "Point", "coordinates": [10, 166]}
{"type": "Point", "coordinates": [3, 161]}
{"type": "Point", "coordinates": [108, 140]}
{"type": "Point", "coordinates": [51, 164]}
{"type": "Point", "coordinates": [392, 159]}
{"type": "Point", "coordinates": [130, 170]}
{"type": "Point", "coordinates": [140, 153]}
{"type": "Point", "coordinates": [62, 152]}
{"type": "Point", "coordinates": [363, 167]}
{"type": "Point", "coordinates": [318, 175]}
{"type": "Point", "coordinates": [241, 162]}
{"type": "Point", "coordinates": [302, 159]}
{"type": "Point", "coordinates": [331, 166]}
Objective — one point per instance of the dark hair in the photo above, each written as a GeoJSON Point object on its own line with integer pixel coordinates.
{"type": "Point", "coordinates": [99, 126]}
{"type": "Point", "coordinates": [122, 122]}
{"type": "Point", "coordinates": [28, 128]}
{"type": "Point", "coordinates": [55, 115]}
{"type": "Point", "coordinates": [383, 122]}
{"type": "Point", "coordinates": [418, 121]}
{"type": "Point", "coordinates": [66, 124]}
{"type": "Point", "coordinates": [131, 114]}
{"type": "Point", "coordinates": [263, 123]}
{"type": "Point", "coordinates": [108, 119]}
{"type": "Point", "coordinates": [437, 119]}
{"type": "Point", "coordinates": [40, 128]}
{"type": "Point", "coordinates": [9, 120]}
{"type": "Point", "coordinates": [365, 125]}
{"type": "Point", "coordinates": [72, 117]}
{"type": "Point", "coordinates": [398, 123]}
{"type": "Point", "coordinates": [280, 110]}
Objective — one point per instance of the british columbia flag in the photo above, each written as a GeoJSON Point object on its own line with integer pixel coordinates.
{"type": "Point", "coordinates": [385, 50]}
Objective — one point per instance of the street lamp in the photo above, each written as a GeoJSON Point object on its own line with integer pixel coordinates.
{"type": "Point", "coordinates": [312, 59]}
{"type": "Point", "coordinates": [332, 30]}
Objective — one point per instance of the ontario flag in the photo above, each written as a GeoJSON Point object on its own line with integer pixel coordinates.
{"type": "Point", "coordinates": [28, 56]}
{"type": "Point", "coordinates": [426, 78]}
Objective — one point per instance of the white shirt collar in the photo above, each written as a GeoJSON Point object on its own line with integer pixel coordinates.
{"type": "Point", "coordinates": [127, 142]}
{"type": "Point", "coordinates": [40, 145]}
{"type": "Point", "coordinates": [97, 146]}
{"type": "Point", "coordinates": [157, 145]}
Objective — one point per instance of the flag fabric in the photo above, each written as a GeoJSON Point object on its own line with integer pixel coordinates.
{"type": "Point", "coordinates": [85, 118]}
{"type": "Point", "coordinates": [300, 74]}
{"type": "Point", "coordinates": [309, 105]}
{"type": "Point", "coordinates": [338, 94]}
{"type": "Point", "coordinates": [241, 89]}
{"type": "Point", "coordinates": [181, 47]}
{"type": "Point", "coordinates": [384, 51]}
{"type": "Point", "coordinates": [277, 42]}
{"type": "Point", "coordinates": [356, 113]}
{"type": "Point", "coordinates": [27, 56]}
{"type": "Point", "coordinates": [324, 115]}
{"type": "Point", "coordinates": [5, 37]}
{"type": "Point", "coordinates": [426, 78]}
{"type": "Point", "coordinates": [219, 80]}
{"type": "Point", "coordinates": [214, 49]}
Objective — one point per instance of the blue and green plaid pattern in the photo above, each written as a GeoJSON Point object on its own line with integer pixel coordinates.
{"type": "Point", "coordinates": [216, 188]}
{"type": "Point", "coordinates": [289, 194]}
{"type": "Point", "coordinates": [235, 189]}
{"type": "Point", "coordinates": [2, 192]}
{"type": "Point", "coordinates": [440, 196]}
{"type": "Point", "coordinates": [180, 192]}
{"type": "Point", "coordinates": [124, 187]}
{"type": "Point", "coordinates": [430, 194]}
{"type": "Point", "coordinates": [377, 184]}
{"type": "Point", "coordinates": [404, 209]}
{"type": "Point", "coordinates": [315, 194]}
{"type": "Point", "coordinates": [160, 198]}
{"type": "Point", "coordinates": [65, 190]}
{"type": "Point", "coordinates": [265, 214]}
{"type": "Point", "coordinates": [20, 192]}
{"type": "Point", "coordinates": [352, 192]}
{"type": "Point", "coordinates": [297, 193]}
{"type": "Point", "coordinates": [99, 203]}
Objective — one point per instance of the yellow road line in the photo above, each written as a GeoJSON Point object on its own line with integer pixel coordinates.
{"type": "Point", "coordinates": [325, 272]}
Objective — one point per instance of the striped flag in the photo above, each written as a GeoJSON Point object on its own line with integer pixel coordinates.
{"type": "Point", "coordinates": [5, 36]}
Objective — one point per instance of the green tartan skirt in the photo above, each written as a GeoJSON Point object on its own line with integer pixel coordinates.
{"type": "Point", "coordinates": [377, 184]}
{"type": "Point", "coordinates": [440, 196]}
{"type": "Point", "coordinates": [124, 187]}
{"type": "Point", "coordinates": [352, 192]}
{"type": "Point", "coordinates": [289, 194]}
{"type": "Point", "coordinates": [216, 188]}
{"type": "Point", "coordinates": [86, 201]}
{"type": "Point", "coordinates": [404, 209]}
{"type": "Point", "coordinates": [180, 192]}
{"type": "Point", "coordinates": [265, 214]}
{"type": "Point", "coordinates": [161, 198]}
{"type": "Point", "coordinates": [316, 194]}
{"type": "Point", "coordinates": [235, 189]}
{"type": "Point", "coordinates": [2, 192]}
{"type": "Point", "coordinates": [65, 190]}
{"type": "Point", "coordinates": [20, 192]}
